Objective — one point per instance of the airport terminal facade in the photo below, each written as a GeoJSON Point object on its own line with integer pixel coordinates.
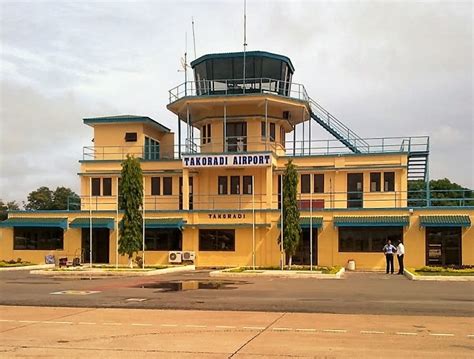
{"type": "Point", "coordinates": [213, 190]}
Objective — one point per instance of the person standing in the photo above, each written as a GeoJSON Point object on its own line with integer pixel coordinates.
{"type": "Point", "coordinates": [388, 250]}
{"type": "Point", "coordinates": [400, 256]}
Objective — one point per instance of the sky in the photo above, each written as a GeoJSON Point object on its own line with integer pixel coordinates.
{"type": "Point", "coordinates": [384, 68]}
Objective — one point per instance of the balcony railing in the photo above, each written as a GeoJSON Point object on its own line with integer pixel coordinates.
{"type": "Point", "coordinates": [101, 153]}
{"type": "Point", "coordinates": [238, 87]}
{"type": "Point", "coordinates": [318, 201]}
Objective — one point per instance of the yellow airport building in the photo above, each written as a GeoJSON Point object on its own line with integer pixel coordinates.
{"type": "Point", "coordinates": [213, 190]}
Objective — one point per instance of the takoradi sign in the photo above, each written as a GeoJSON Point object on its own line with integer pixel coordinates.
{"type": "Point", "coordinates": [237, 160]}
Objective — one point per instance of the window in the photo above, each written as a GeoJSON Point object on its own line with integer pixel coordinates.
{"type": "Point", "coordinates": [38, 238]}
{"type": "Point", "coordinates": [159, 239]}
{"type": "Point", "coordinates": [206, 134]}
{"type": "Point", "coordinates": [375, 182]}
{"type": "Point", "coordinates": [234, 185]}
{"type": "Point", "coordinates": [282, 136]}
{"type": "Point", "coordinates": [152, 149]}
{"type": "Point", "coordinates": [222, 185]}
{"type": "Point", "coordinates": [389, 181]}
{"type": "Point", "coordinates": [167, 186]}
{"type": "Point", "coordinates": [236, 136]}
{"type": "Point", "coordinates": [95, 187]}
{"type": "Point", "coordinates": [130, 137]}
{"type": "Point", "coordinates": [272, 132]}
{"type": "Point", "coordinates": [263, 130]}
{"type": "Point", "coordinates": [247, 184]}
{"type": "Point", "coordinates": [217, 240]}
{"type": "Point", "coordinates": [155, 186]}
{"type": "Point", "coordinates": [367, 239]}
{"type": "Point", "coordinates": [305, 183]}
{"type": "Point", "coordinates": [318, 183]}
{"type": "Point", "coordinates": [106, 186]}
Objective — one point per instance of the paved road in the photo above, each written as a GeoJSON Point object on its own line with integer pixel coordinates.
{"type": "Point", "coordinates": [358, 293]}
{"type": "Point", "coordinates": [122, 333]}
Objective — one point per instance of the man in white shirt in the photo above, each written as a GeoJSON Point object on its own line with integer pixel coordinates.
{"type": "Point", "coordinates": [388, 250]}
{"type": "Point", "coordinates": [400, 255]}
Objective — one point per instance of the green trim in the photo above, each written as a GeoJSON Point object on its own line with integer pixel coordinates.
{"type": "Point", "coordinates": [457, 220]}
{"type": "Point", "coordinates": [371, 221]}
{"type": "Point", "coordinates": [97, 222]}
{"type": "Point", "coordinates": [176, 223]}
{"type": "Point", "coordinates": [35, 222]}
{"type": "Point", "coordinates": [305, 222]}
{"type": "Point", "coordinates": [125, 119]}
{"type": "Point", "coordinates": [228, 55]}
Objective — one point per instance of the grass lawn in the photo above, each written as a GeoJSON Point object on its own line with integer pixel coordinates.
{"type": "Point", "coordinates": [10, 264]}
{"type": "Point", "coordinates": [294, 268]}
{"type": "Point", "coordinates": [443, 271]}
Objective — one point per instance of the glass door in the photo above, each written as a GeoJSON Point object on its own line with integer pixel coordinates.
{"type": "Point", "coordinates": [443, 246]}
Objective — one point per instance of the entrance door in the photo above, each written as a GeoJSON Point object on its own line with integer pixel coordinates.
{"type": "Point", "coordinates": [302, 255]}
{"type": "Point", "coordinates": [355, 185]}
{"type": "Point", "coordinates": [236, 136]}
{"type": "Point", "coordinates": [443, 246]}
{"type": "Point", "coordinates": [100, 245]}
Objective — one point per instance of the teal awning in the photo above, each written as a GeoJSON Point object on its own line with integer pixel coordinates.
{"type": "Point", "coordinates": [305, 222]}
{"type": "Point", "coordinates": [454, 220]}
{"type": "Point", "coordinates": [97, 222]}
{"type": "Point", "coordinates": [176, 223]}
{"type": "Point", "coordinates": [371, 221]}
{"type": "Point", "coordinates": [228, 226]}
{"type": "Point", "coordinates": [45, 222]}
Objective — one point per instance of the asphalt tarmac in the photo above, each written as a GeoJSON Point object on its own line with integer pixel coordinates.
{"type": "Point", "coordinates": [357, 293]}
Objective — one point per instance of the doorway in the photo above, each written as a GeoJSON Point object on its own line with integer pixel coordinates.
{"type": "Point", "coordinates": [302, 254]}
{"type": "Point", "coordinates": [355, 186]}
{"type": "Point", "coordinates": [100, 245]}
{"type": "Point", "coordinates": [443, 246]}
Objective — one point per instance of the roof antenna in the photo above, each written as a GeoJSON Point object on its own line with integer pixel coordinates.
{"type": "Point", "coordinates": [194, 39]}
{"type": "Point", "coordinates": [245, 38]}
{"type": "Point", "coordinates": [184, 63]}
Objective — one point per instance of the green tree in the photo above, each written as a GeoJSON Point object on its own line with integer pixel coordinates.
{"type": "Point", "coordinates": [131, 193]}
{"type": "Point", "coordinates": [291, 213]}
{"type": "Point", "coordinates": [5, 207]}
{"type": "Point", "coordinates": [65, 198]}
{"type": "Point", "coordinates": [41, 199]}
{"type": "Point", "coordinates": [443, 192]}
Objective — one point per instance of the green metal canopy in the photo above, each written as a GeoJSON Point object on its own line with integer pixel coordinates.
{"type": "Point", "coordinates": [45, 222]}
{"type": "Point", "coordinates": [97, 222]}
{"type": "Point", "coordinates": [305, 222]}
{"type": "Point", "coordinates": [455, 220]}
{"type": "Point", "coordinates": [176, 223]}
{"type": "Point", "coordinates": [371, 221]}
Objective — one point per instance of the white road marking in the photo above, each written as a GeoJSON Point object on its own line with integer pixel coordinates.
{"type": "Point", "coordinates": [87, 323]}
{"type": "Point", "coordinates": [7, 320]}
{"type": "Point", "coordinates": [282, 329]}
{"type": "Point", "coordinates": [195, 326]}
{"type": "Point", "coordinates": [442, 334]}
{"type": "Point", "coordinates": [51, 322]}
{"type": "Point", "coordinates": [108, 323]}
{"type": "Point", "coordinates": [169, 325]}
{"type": "Point", "coordinates": [254, 328]}
{"type": "Point", "coordinates": [305, 330]}
{"type": "Point", "coordinates": [225, 326]}
{"type": "Point", "coordinates": [28, 321]}
{"type": "Point", "coordinates": [371, 332]}
{"type": "Point", "coordinates": [334, 330]}
{"type": "Point", "coordinates": [406, 333]}
{"type": "Point", "coordinates": [470, 335]}
{"type": "Point", "coordinates": [142, 324]}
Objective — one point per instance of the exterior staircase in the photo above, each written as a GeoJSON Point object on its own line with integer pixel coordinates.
{"type": "Point", "coordinates": [417, 165]}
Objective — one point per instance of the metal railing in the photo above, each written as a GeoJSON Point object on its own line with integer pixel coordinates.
{"type": "Point", "coordinates": [326, 200]}
{"type": "Point", "coordinates": [90, 153]}
{"type": "Point", "coordinates": [237, 87]}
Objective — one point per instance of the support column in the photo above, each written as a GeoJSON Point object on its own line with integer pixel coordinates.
{"type": "Point", "coordinates": [294, 140]}
{"type": "Point", "coordinates": [266, 125]}
{"type": "Point", "coordinates": [302, 123]}
{"type": "Point", "coordinates": [185, 189]}
{"type": "Point", "coordinates": [310, 123]}
{"type": "Point", "coordinates": [269, 186]}
{"type": "Point", "coordinates": [187, 129]}
{"type": "Point", "coordinates": [179, 137]}
{"type": "Point", "coordinates": [225, 127]}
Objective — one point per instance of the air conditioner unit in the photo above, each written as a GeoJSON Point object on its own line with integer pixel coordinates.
{"type": "Point", "coordinates": [174, 257]}
{"type": "Point", "coordinates": [189, 256]}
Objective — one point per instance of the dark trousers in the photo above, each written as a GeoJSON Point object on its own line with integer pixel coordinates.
{"type": "Point", "coordinates": [400, 264]}
{"type": "Point", "coordinates": [389, 258]}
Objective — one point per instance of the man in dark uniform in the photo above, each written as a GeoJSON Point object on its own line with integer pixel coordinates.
{"type": "Point", "coordinates": [389, 249]}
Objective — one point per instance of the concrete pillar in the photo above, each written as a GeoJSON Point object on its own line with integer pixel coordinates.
{"type": "Point", "coordinates": [185, 189]}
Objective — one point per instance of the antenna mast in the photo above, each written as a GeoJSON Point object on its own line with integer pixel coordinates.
{"type": "Point", "coordinates": [245, 38]}
{"type": "Point", "coordinates": [194, 39]}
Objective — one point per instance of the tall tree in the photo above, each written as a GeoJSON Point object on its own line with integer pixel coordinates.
{"type": "Point", "coordinates": [291, 213]}
{"type": "Point", "coordinates": [45, 199]}
{"type": "Point", "coordinates": [5, 207]}
{"type": "Point", "coordinates": [131, 193]}
{"type": "Point", "coordinates": [65, 198]}
{"type": "Point", "coordinates": [443, 192]}
{"type": "Point", "coordinates": [41, 199]}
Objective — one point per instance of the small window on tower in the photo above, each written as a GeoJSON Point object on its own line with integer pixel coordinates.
{"type": "Point", "coordinates": [131, 137]}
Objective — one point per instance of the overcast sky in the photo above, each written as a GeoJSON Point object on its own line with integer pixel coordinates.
{"type": "Point", "coordinates": [385, 68]}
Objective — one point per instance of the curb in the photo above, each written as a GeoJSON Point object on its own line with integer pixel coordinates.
{"type": "Point", "coordinates": [276, 273]}
{"type": "Point", "coordinates": [104, 273]}
{"type": "Point", "coordinates": [32, 267]}
{"type": "Point", "coordinates": [439, 278]}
